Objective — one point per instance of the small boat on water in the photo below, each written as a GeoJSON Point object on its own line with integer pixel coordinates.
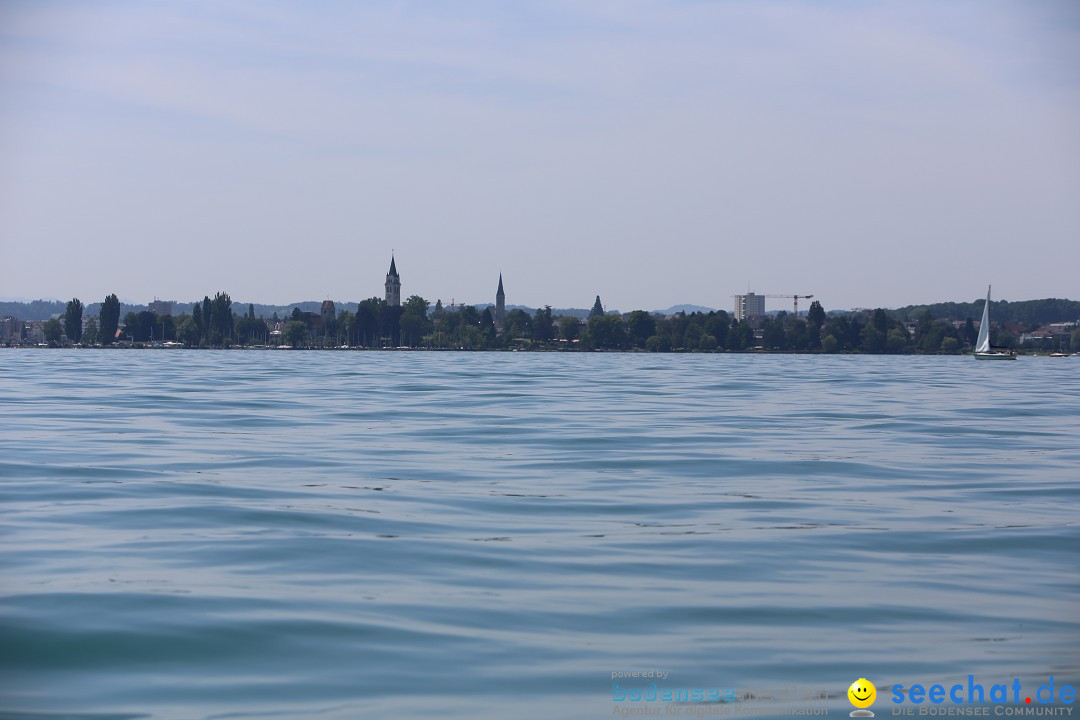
{"type": "Point", "coordinates": [983, 349]}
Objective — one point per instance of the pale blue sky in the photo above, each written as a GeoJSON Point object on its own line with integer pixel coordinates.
{"type": "Point", "coordinates": [874, 154]}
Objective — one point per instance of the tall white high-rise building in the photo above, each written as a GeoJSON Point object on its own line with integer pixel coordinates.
{"type": "Point", "coordinates": [750, 307]}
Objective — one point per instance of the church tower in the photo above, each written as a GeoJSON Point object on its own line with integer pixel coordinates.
{"type": "Point", "coordinates": [500, 305]}
{"type": "Point", "coordinates": [393, 285]}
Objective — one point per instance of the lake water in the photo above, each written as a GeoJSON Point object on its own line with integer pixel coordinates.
{"type": "Point", "coordinates": [244, 534]}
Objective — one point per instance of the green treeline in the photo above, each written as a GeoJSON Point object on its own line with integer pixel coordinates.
{"type": "Point", "coordinates": [215, 322]}
{"type": "Point", "coordinates": [1030, 313]}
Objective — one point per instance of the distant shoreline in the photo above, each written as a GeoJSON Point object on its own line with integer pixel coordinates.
{"type": "Point", "coordinates": [609, 351]}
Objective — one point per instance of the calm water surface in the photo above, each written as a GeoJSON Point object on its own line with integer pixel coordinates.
{"type": "Point", "coordinates": [340, 535]}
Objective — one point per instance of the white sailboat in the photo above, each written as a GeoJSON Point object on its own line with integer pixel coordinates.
{"type": "Point", "coordinates": [983, 350]}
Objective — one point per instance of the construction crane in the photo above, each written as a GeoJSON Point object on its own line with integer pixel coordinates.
{"type": "Point", "coordinates": [795, 297]}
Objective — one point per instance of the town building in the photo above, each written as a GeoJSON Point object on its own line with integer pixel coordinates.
{"type": "Point", "coordinates": [750, 308]}
{"type": "Point", "coordinates": [35, 331]}
{"type": "Point", "coordinates": [11, 329]}
{"type": "Point", "coordinates": [161, 308]}
{"type": "Point", "coordinates": [328, 313]}
{"type": "Point", "coordinates": [1040, 337]}
{"type": "Point", "coordinates": [393, 285]}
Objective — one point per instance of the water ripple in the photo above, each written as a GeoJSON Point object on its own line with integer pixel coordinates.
{"type": "Point", "coordinates": [337, 535]}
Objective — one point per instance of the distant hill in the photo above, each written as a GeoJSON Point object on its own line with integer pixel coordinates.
{"type": "Point", "coordinates": [33, 310]}
{"type": "Point", "coordinates": [555, 312]}
{"type": "Point", "coordinates": [45, 309]}
{"type": "Point", "coordinates": [282, 311]}
{"type": "Point", "coordinates": [688, 309]}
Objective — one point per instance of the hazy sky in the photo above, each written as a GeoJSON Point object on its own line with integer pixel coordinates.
{"type": "Point", "coordinates": [652, 151]}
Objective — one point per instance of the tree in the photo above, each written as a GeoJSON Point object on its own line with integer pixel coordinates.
{"type": "Point", "coordinates": [677, 325]}
{"type": "Point", "coordinates": [487, 325]}
{"type": "Point", "coordinates": [569, 327]}
{"type": "Point", "coordinates": [90, 336]}
{"type": "Point", "coordinates": [873, 339]}
{"type": "Point", "coordinates": [931, 339]}
{"type": "Point", "coordinates": [470, 315]}
{"type": "Point", "coordinates": [658, 343]}
{"type": "Point", "coordinates": [897, 340]}
{"type": "Point", "coordinates": [187, 331]}
{"type": "Point", "coordinates": [1002, 338]}
{"type": "Point", "coordinates": [797, 335]}
{"type": "Point", "coordinates": [518, 324]}
{"type": "Point", "coordinates": [773, 336]}
{"type": "Point", "coordinates": [717, 324]}
{"type": "Point", "coordinates": [197, 324]}
{"type": "Point", "coordinates": [843, 333]}
{"type": "Point", "coordinates": [692, 333]}
{"type": "Point", "coordinates": [346, 322]}
{"type": "Point", "coordinates": [109, 319]}
{"type": "Point", "coordinates": [222, 318]}
{"type": "Point", "coordinates": [250, 329]}
{"type": "Point", "coordinates": [131, 321]}
{"type": "Point", "coordinates": [741, 336]}
{"type": "Point", "coordinates": [390, 323]}
{"type": "Point", "coordinates": [412, 329]}
{"type": "Point", "coordinates": [330, 330]}
{"type": "Point", "coordinates": [295, 332]}
{"type": "Point", "coordinates": [816, 314]}
{"type": "Point", "coordinates": [880, 321]}
{"type": "Point", "coordinates": [641, 326]}
{"type": "Point", "coordinates": [139, 327]}
{"type": "Point", "coordinates": [367, 321]}
{"type": "Point", "coordinates": [542, 328]}
{"type": "Point", "coordinates": [53, 333]}
{"type": "Point", "coordinates": [597, 309]}
{"type": "Point", "coordinates": [147, 320]}
{"type": "Point", "coordinates": [950, 345]}
{"type": "Point", "coordinates": [208, 319]}
{"type": "Point", "coordinates": [922, 328]}
{"type": "Point", "coordinates": [417, 306]}
{"type": "Point", "coordinates": [166, 327]}
{"type": "Point", "coordinates": [606, 331]}
{"type": "Point", "coordinates": [73, 320]}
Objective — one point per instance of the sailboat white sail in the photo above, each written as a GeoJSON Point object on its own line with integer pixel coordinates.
{"type": "Point", "coordinates": [982, 345]}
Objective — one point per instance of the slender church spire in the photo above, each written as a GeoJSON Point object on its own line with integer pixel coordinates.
{"type": "Point", "coordinates": [500, 304]}
{"type": "Point", "coordinates": [393, 285]}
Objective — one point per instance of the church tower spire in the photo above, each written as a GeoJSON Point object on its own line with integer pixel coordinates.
{"type": "Point", "coordinates": [393, 285]}
{"type": "Point", "coordinates": [500, 304]}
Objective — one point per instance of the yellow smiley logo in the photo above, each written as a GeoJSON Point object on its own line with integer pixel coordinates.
{"type": "Point", "coordinates": [862, 693]}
